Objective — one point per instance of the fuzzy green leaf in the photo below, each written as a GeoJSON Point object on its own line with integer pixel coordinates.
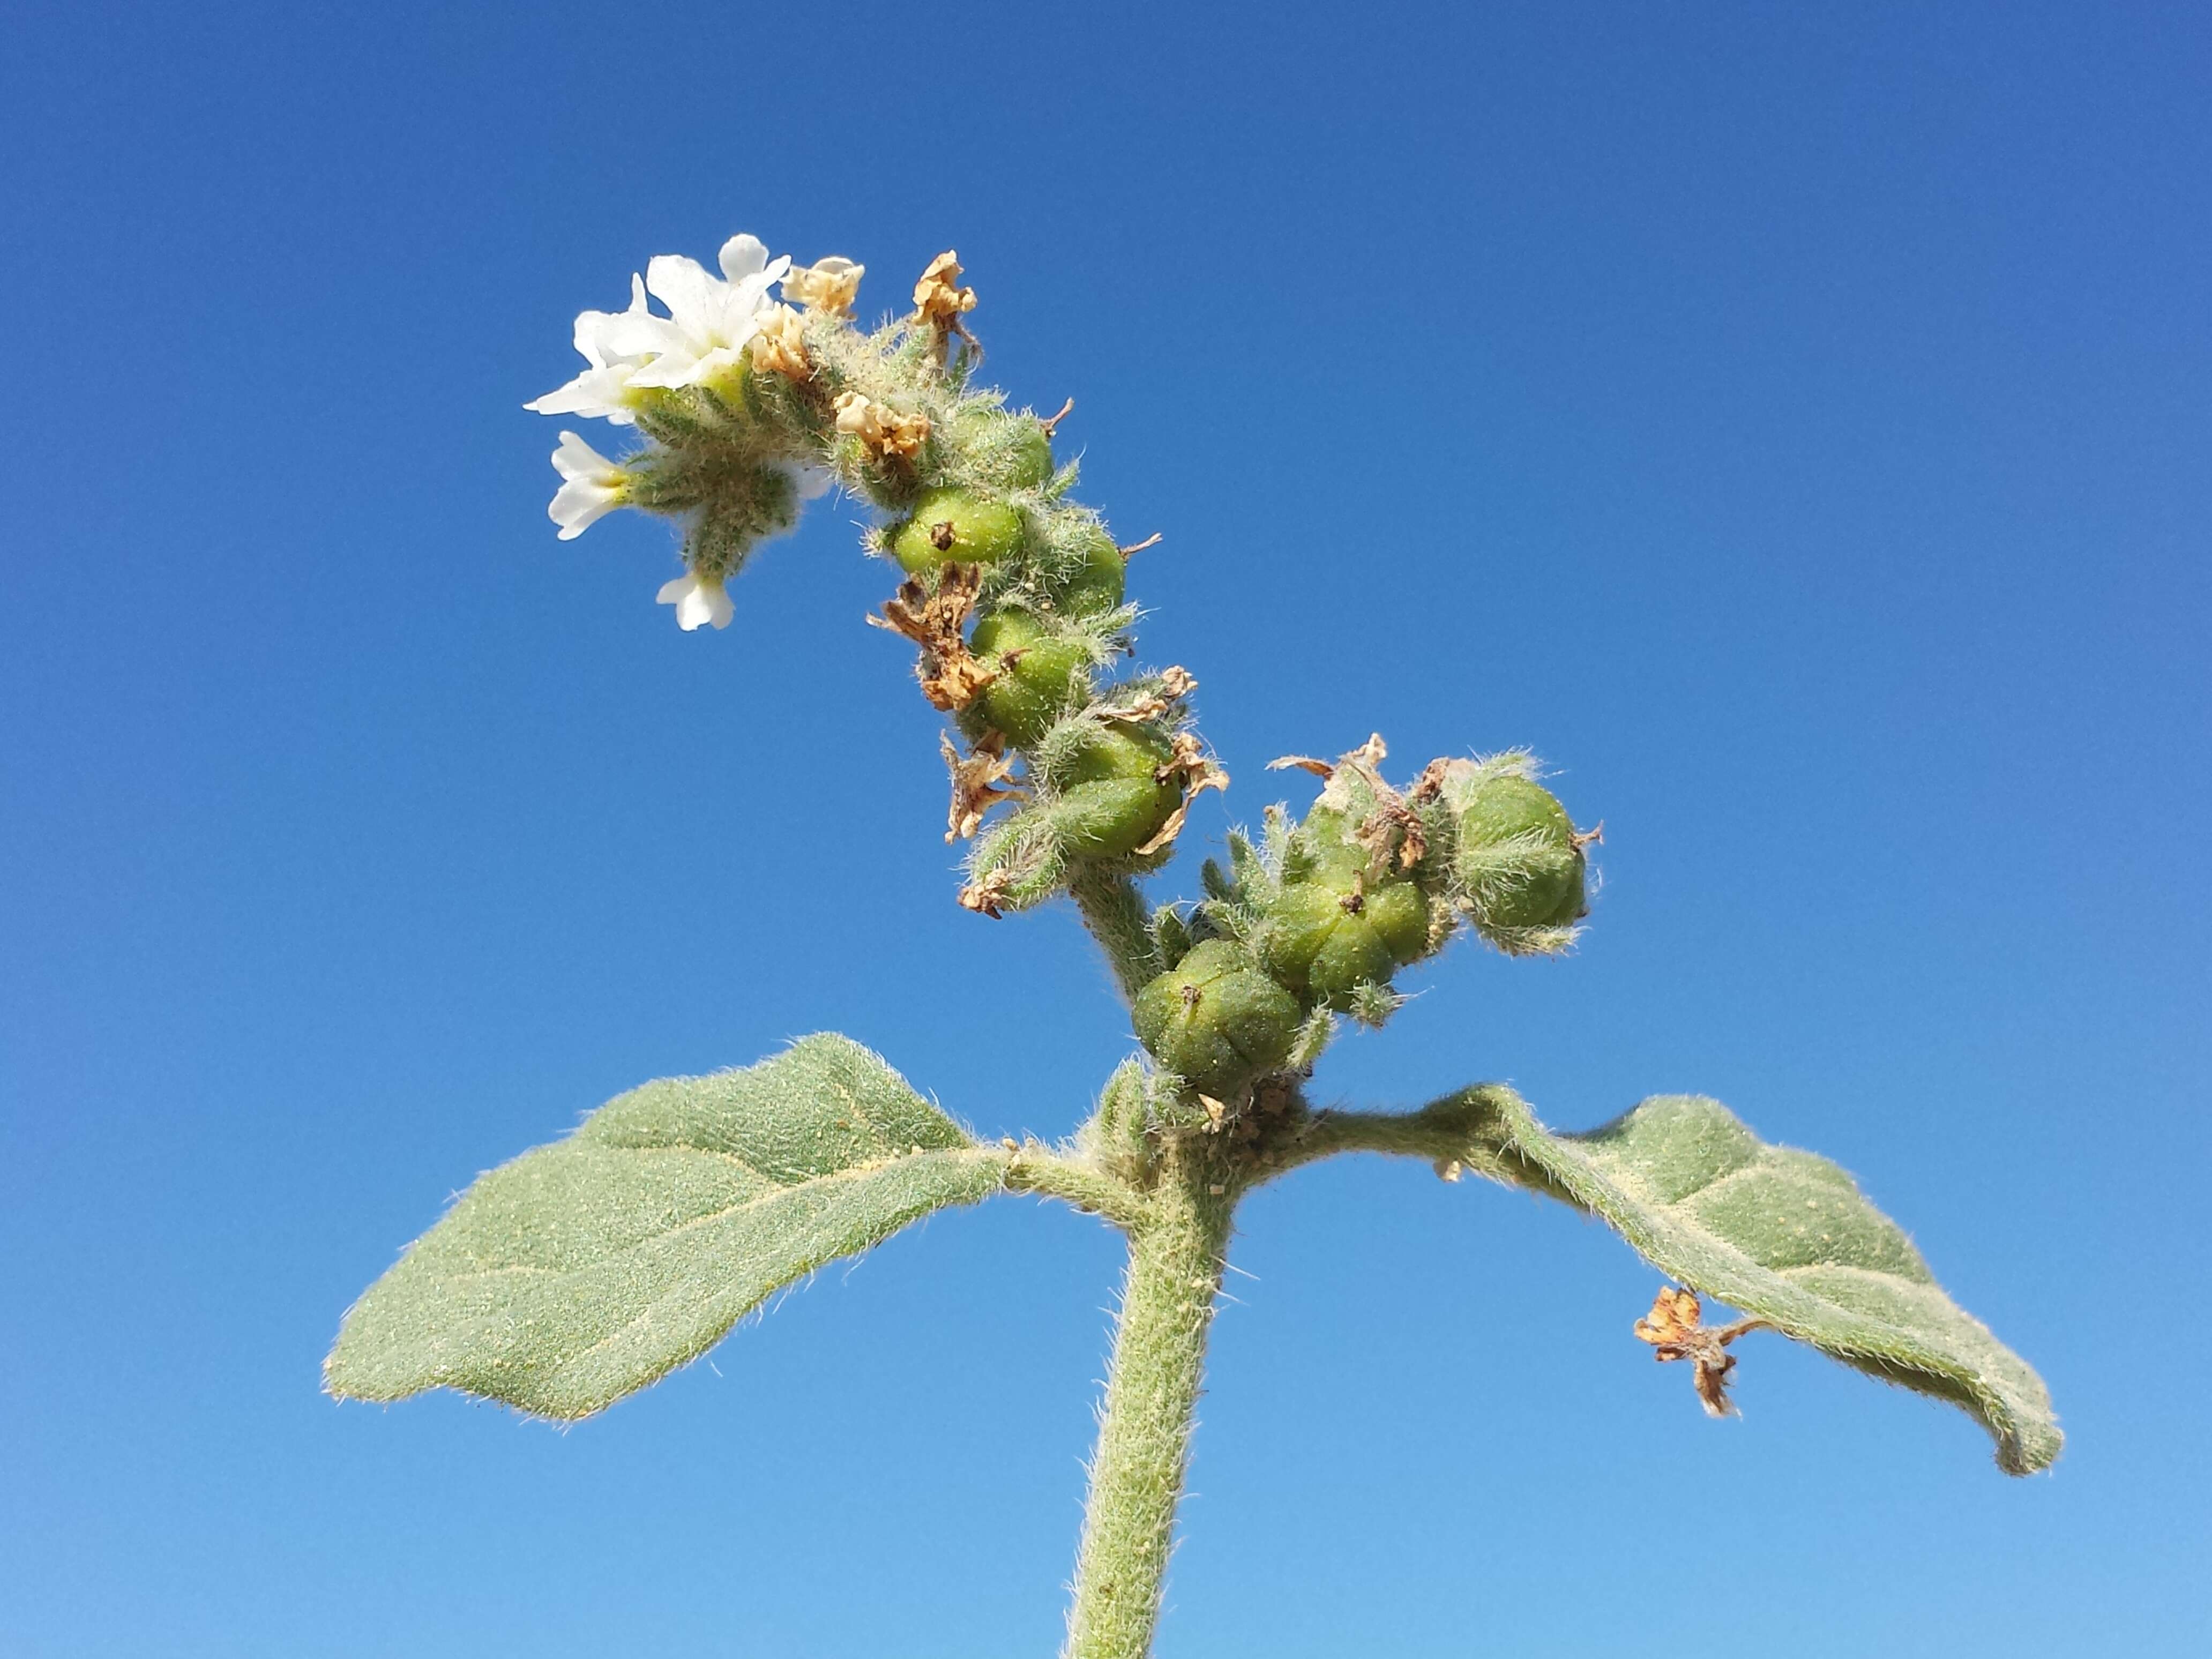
{"type": "Point", "coordinates": [1781, 1234]}
{"type": "Point", "coordinates": [586, 1269]}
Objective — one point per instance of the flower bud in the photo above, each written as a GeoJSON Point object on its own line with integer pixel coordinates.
{"type": "Point", "coordinates": [951, 526]}
{"type": "Point", "coordinates": [1216, 1019]}
{"type": "Point", "coordinates": [1038, 676]}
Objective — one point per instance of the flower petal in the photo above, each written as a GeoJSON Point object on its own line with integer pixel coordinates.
{"type": "Point", "coordinates": [683, 286]}
{"type": "Point", "coordinates": [743, 256]}
{"type": "Point", "coordinates": [579, 504]}
{"type": "Point", "coordinates": [577, 459]}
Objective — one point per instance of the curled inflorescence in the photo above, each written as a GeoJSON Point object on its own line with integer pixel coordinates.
{"type": "Point", "coordinates": [1064, 778]}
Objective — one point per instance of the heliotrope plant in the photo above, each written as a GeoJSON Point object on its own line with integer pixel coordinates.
{"type": "Point", "coordinates": [590, 1267]}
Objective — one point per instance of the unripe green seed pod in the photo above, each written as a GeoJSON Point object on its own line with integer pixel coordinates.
{"type": "Point", "coordinates": [951, 526]}
{"type": "Point", "coordinates": [1216, 1019]}
{"type": "Point", "coordinates": [1399, 916]}
{"type": "Point", "coordinates": [1110, 803]}
{"type": "Point", "coordinates": [1352, 955]}
{"type": "Point", "coordinates": [1040, 677]}
{"type": "Point", "coordinates": [1029, 454]}
{"type": "Point", "coordinates": [1517, 858]}
{"type": "Point", "coordinates": [1014, 450]}
{"type": "Point", "coordinates": [1099, 583]}
{"type": "Point", "coordinates": [1326, 938]}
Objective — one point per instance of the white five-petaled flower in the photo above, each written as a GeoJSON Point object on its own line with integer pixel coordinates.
{"type": "Point", "coordinates": [592, 486]}
{"type": "Point", "coordinates": [710, 321]}
{"type": "Point", "coordinates": [599, 391]}
{"type": "Point", "coordinates": [698, 599]}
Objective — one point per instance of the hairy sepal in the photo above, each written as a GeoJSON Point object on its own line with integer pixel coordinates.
{"type": "Point", "coordinates": [588, 1268]}
{"type": "Point", "coordinates": [1783, 1235]}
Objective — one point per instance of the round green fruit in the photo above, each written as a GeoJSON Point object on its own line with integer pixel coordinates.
{"type": "Point", "coordinates": [951, 526]}
{"type": "Point", "coordinates": [1216, 1019]}
{"type": "Point", "coordinates": [1111, 801]}
{"type": "Point", "coordinates": [1322, 940]}
{"type": "Point", "coordinates": [1029, 453]}
{"type": "Point", "coordinates": [1014, 448]}
{"type": "Point", "coordinates": [1039, 676]}
{"type": "Point", "coordinates": [1099, 583]}
{"type": "Point", "coordinates": [1518, 858]}
{"type": "Point", "coordinates": [1399, 916]}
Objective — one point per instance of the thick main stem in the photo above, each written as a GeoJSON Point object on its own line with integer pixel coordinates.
{"type": "Point", "coordinates": [1175, 1260]}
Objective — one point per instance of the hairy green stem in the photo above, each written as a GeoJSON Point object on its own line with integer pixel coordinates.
{"type": "Point", "coordinates": [1034, 1168]}
{"type": "Point", "coordinates": [1175, 1260]}
{"type": "Point", "coordinates": [1114, 911]}
{"type": "Point", "coordinates": [1458, 1129]}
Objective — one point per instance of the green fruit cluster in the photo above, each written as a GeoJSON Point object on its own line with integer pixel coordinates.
{"type": "Point", "coordinates": [1052, 579]}
{"type": "Point", "coordinates": [1216, 1019]}
{"type": "Point", "coordinates": [1335, 930]}
{"type": "Point", "coordinates": [1111, 801]}
{"type": "Point", "coordinates": [1369, 882]}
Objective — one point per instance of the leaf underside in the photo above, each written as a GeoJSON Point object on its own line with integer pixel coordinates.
{"type": "Point", "coordinates": [1781, 1234]}
{"type": "Point", "coordinates": [587, 1268]}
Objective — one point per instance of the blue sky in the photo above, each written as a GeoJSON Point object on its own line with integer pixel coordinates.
{"type": "Point", "coordinates": [1794, 425]}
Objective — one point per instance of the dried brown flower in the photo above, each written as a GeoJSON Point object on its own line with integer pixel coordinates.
{"type": "Point", "coordinates": [1172, 686]}
{"type": "Point", "coordinates": [1674, 1330]}
{"type": "Point", "coordinates": [1393, 828]}
{"type": "Point", "coordinates": [951, 675]}
{"type": "Point", "coordinates": [779, 347]}
{"type": "Point", "coordinates": [1188, 762]}
{"type": "Point", "coordinates": [828, 285]}
{"type": "Point", "coordinates": [891, 434]}
{"type": "Point", "coordinates": [987, 894]}
{"type": "Point", "coordinates": [940, 302]}
{"type": "Point", "coordinates": [975, 778]}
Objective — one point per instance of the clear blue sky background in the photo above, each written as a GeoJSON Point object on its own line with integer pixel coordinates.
{"type": "Point", "coordinates": [1792, 422]}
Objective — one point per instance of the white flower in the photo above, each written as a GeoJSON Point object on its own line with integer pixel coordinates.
{"type": "Point", "coordinates": [697, 599]}
{"type": "Point", "coordinates": [599, 391]}
{"type": "Point", "coordinates": [592, 486]}
{"type": "Point", "coordinates": [710, 321]}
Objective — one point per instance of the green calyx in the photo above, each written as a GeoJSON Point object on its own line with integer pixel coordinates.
{"type": "Point", "coordinates": [1038, 676]}
{"type": "Point", "coordinates": [952, 527]}
{"type": "Point", "coordinates": [1518, 862]}
{"type": "Point", "coordinates": [1111, 800]}
{"type": "Point", "coordinates": [1216, 1019]}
